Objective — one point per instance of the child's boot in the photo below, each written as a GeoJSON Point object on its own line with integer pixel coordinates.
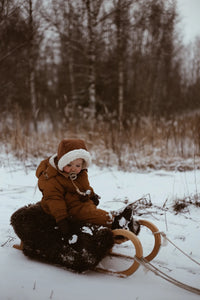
{"type": "Point", "coordinates": [125, 220]}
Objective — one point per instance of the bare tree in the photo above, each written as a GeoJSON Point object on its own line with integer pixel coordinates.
{"type": "Point", "coordinates": [32, 64]}
{"type": "Point", "coordinates": [28, 10]}
{"type": "Point", "coordinates": [13, 53]}
{"type": "Point", "coordinates": [191, 76]}
{"type": "Point", "coordinates": [62, 17]}
{"type": "Point", "coordinates": [154, 56]}
{"type": "Point", "coordinates": [121, 21]}
{"type": "Point", "coordinates": [93, 9]}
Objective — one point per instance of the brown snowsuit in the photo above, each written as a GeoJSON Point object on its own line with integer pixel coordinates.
{"type": "Point", "coordinates": [61, 198]}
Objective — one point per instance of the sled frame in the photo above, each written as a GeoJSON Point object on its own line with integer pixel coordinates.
{"type": "Point", "coordinates": [138, 248]}
{"type": "Point", "coordinates": [138, 253]}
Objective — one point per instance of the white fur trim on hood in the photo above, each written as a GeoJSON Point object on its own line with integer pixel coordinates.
{"type": "Point", "coordinates": [72, 155]}
{"type": "Point", "coordinates": [51, 160]}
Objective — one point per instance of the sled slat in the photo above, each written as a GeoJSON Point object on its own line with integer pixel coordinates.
{"type": "Point", "coordinates": [18, 246]}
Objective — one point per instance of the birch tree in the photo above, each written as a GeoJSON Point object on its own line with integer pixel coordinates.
{"type": "Point", "coordinates": [121, 21]}
{"type": "Point", "coordinates": [32, 63]}
{"type": "Point", "coordinates": [92, 9]}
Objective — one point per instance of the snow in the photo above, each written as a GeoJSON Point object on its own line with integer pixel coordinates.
{"type": "Point", "coordinates": [73, 239]}
{"type": "Point", "coordinates": [25, 279]}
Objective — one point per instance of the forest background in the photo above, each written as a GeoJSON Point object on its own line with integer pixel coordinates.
{"type": "Point", "coordinates": [115, 73]}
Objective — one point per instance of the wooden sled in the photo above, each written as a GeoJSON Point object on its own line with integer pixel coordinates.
{"type": "Point", "coordinates": [138, 249]}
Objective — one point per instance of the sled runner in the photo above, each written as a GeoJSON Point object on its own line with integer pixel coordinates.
{"type": "Point", "coordinates": [138, 249]}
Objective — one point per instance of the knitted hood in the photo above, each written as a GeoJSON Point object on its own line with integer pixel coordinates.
{"type": "Point", "coordinates": [71, 149]}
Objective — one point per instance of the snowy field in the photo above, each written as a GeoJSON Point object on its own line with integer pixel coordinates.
{"type": "Point", "coordinates": [25, 279]}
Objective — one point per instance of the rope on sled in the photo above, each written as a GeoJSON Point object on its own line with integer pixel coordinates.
{"type": "Point", "coordinates": [163, 275]}
{"type": "Point", "coordinates": [188, 256]}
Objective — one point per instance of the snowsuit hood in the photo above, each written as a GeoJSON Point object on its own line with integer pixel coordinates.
{"type": "Point", "coordinates": [71, 149]}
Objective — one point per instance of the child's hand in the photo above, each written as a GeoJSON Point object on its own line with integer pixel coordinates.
{"type": "Point", "coordinates": [95, 198]}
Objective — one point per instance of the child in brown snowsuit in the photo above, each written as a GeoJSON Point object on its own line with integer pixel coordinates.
{"type": "Point", "coordinates": [67, 194]}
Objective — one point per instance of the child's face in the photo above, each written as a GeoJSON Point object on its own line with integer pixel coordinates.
{"type": "Point", "coordinates": [74, 166]}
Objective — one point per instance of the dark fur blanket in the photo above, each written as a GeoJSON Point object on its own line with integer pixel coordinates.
{"type": "Point", "coordinates": [43, 241]}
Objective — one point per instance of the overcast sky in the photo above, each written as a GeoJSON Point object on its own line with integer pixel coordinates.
{"type": "Point", "coordinates": [190, 14]}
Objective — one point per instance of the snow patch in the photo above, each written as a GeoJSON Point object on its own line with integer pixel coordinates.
{"type": "Point", "coordinates": [35, 280]}
{"type": "Point", "coordinates": [86, 229]}
{"type": "Point", "coordinates": [122, 222]}
{"type": "Point", "coordinates": [73, 239]}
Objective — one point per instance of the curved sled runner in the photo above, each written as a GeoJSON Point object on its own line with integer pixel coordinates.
{"type": "Point", "coordinates": [138, 253]}
{"type": "Point", "coordinates": [157, 238]}
{"type": "Point", "coordinates": [138, 248]}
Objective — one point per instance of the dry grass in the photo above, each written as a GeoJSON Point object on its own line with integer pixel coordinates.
{"type": "Point", "coordinates": [180, 205]}
{"type": "Point", "coordinates": [146, 144]}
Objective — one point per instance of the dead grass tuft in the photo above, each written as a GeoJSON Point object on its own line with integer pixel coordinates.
{"type": "Point", "coordinates": [180, 205]}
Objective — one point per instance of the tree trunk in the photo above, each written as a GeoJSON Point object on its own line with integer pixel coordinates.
{"type": "Point", "coordinates": [92, 22]}
{"type": "Point", "coordinates": [31, 68]}
{"type": "Point", "coordinates": [120, 94]}
{"type": "Point", "coordinates": [69, 30]}
{"type": "Point", "coordinates": [120, 50]}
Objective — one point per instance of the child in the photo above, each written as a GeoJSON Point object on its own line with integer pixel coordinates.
{"type": "Point", "coordinates": [68, 204]}
{"type": "Point", "coordinates": [67, 194]}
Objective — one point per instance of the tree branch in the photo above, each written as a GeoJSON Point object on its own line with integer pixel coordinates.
{"type": "Point", "coordinates": [12, 51]}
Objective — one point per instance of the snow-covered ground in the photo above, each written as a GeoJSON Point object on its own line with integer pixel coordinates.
{"type": "Point", "coordinates": [25, 279]}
